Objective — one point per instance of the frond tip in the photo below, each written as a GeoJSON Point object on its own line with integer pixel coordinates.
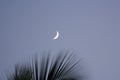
{"type": "Point", "coordinates": [63, 66]}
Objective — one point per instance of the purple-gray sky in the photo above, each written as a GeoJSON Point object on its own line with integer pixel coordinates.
{"type": "Point", "coordinates": [91, 27]}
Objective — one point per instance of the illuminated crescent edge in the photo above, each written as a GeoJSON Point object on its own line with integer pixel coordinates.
{"type": "Point", "coordinates": [57, 35]}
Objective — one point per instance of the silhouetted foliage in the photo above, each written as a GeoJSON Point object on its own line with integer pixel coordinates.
{"type": "Point", "coordinates": [63, 66]}
{"type": "Point", "coordinates": [22, 72]}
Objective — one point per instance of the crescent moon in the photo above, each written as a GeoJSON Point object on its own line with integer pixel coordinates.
{"type": "Point", "coordinates": [56, 36]}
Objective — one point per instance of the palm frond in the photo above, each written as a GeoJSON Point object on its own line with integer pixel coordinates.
{"type": "Point", "coordinates": [22, 72]}
{"type": "Point", "coordinates": [59, 67]}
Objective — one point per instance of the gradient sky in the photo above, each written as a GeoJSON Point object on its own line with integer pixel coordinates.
{"type": "Point", "coordinates": [90, 27]}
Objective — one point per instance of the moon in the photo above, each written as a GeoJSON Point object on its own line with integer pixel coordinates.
{"type": "Point", "coordinates": [56, 36]}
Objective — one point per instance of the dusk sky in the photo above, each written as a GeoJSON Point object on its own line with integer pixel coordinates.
{"type": "Point", "coordinates": [89, 27]}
